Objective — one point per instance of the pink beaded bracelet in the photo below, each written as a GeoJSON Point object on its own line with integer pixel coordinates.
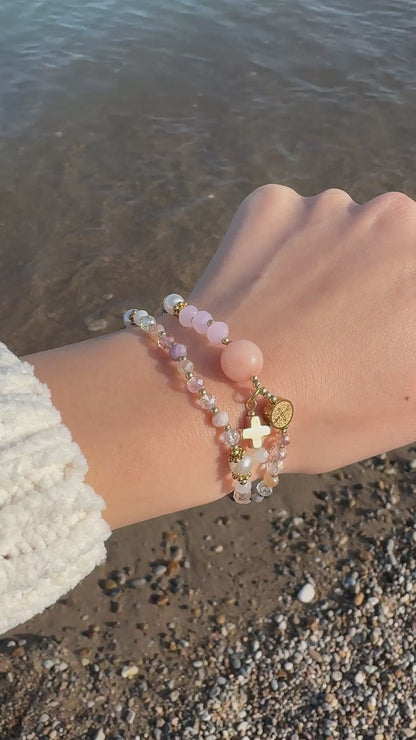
{"type": "Point", "coordinates": [194, 383]}
{"type": "Point", "coordinates": [241, 361]}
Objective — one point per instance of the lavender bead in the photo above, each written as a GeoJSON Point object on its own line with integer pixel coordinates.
{"type": "Point", "coordinates": [177, 351]}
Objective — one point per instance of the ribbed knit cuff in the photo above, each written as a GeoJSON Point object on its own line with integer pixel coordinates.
{"type": "Point", "coordinates": [52, 532]}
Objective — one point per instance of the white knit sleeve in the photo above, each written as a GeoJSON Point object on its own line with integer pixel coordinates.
{"type": "Point", "coordinates": [52, 532]}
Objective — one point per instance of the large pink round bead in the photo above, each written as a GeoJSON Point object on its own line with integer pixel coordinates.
{"type": "Point", "coordinates": [241, 359]}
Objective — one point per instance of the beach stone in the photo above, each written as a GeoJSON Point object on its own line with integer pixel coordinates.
{"type": "Point", "coordinates": [97, 324]}
{"type": "Point", "coordinates": [306, 594]}
{"type": "Point", "coordinates": [129, 671]}
{"type": "Point", "coordinates": [100, 735]}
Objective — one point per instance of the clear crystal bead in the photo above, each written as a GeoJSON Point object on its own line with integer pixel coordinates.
{"type": "Point", "coordinates": [263, 490]}
{"type": "Point", "coordinates": [257, 498]}
{"type": "Point", "coordinates": [208, 401]}
{"type": "Point", "coordinates": [145, 322]}
{"type": "Point", "coordinates": [166, 342]}
{"type": "Point", "coordinates": [195, 384]}
{"type": "Point", "coordinates": [231, 437]}
{"type": "Point", "coordinates": [186, 366]}
{"type": "Point", "coordinates": [275, 467]}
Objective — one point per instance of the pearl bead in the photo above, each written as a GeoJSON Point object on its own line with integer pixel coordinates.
{"type": "Point", "coordinates": [187, 314]}
{"type": "Point", "coordinates": [243, 466]}
{"type": "Point", "coordinates": [200, 322]}
{"type": "Point", "coordinates": [259, 455]}
{"type": "Point", "coordinates": [170, 302]}
{"type": "Point", "coordinates": [220, 419]}
{"type": "Point", "coordinates": [285, 439]}
{"type": "Point", "coordinates": [128, 313]}
{"type": "Point", "coordinates": [217, 331]}
{"type": "Point", "coordinates": [242, 487]}
{"type": "Point", "coordinates": [241, 359]}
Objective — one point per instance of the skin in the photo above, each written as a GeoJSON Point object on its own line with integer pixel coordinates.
{"type": "Point", "coordinates": [325, 287]}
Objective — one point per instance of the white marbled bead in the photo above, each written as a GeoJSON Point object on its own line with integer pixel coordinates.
{"type": "Point", "coordinates": [242, 487]}
{"type": "Point", "coordinates": [259, 455]}
{"type": "Point", "coordinates": [220, 419]}
{"type": "Point", "coordinates": [170, 302]}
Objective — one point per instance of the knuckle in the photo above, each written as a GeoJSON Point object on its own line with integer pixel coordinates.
{"type": "Point", "coordinates": [334, 195]}
{"type": "Point", "coordinates": [395, 204]}
{"type": "Point", "coordinates": [269, 195]}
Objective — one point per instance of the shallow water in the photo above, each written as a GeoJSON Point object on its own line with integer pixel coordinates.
{"type": "Point", "coordinates": [131, 131]}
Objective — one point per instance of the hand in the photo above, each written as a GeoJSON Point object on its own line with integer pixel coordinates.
{"type": "Point", "coordinates": [327, 289]}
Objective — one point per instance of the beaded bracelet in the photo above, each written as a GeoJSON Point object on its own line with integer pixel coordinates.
{"type": "Point", "coordinates": [240, 361]}
{"type": "Point", "coordinates": [194, 383]}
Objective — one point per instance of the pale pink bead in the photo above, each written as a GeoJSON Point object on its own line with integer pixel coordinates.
{"type": "Point", "coordinates": [285, 439]}
{"type": "Point", "coordinates": [156, 330]}
{"type": "Point", "coordinates": [241, 359]}
{"type": "Point", "coordinates": [166, 342]}
{"type": "Point", "coordinates": [217, 332]}
{"type": "Point", "coordinates": [187, 314]}
{"type": "Point", "coordinates": [195, 384]}
{"type": "Point", "coordinates": [220, 419]}
{"type": "Point", "coordinates": [230, 437]}
{"type": "Point", "coordinates": [241, 498]}
{"type": "Point", "coordinates": [200, 321]}
{"type": "Point", "coordinates": [275, 467]}
{"type": "Point", "coordinates": [282, 453]}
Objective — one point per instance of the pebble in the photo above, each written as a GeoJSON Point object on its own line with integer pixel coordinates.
{"type": "Point", "coordinates": [97, 324]}
{"type": "Point", "coordinates": [306, 594]}
{"type": "Point", "coordinates": [129, 671]}
{"type": "Point", "coordinates": [100, 735]}
{"type": "Point", "coordinates": [159, 570]}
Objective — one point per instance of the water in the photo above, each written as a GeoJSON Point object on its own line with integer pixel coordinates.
{"type": "Point", "coordinates": [131, 131]}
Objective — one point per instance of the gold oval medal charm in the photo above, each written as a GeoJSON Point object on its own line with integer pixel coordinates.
{"type": "Point", "coordinates": [279, 414]}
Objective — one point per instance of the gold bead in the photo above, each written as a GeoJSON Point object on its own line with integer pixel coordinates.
{"type": "Point", "coordinates": [178, 308]}
{"type": "Point", "coordinates": [227, 427]}
{"type": "Point", "coordinates": [273, 399]}
{"type": "Point", "coordinates": [214, 410]}
{"type": "Point", "coordinates": [226, 340]}
{"type": "Point", "coordinates": [202, 392]}
{"type": "Point", "coordinates": [210, 321]}
{"type": "Point", "coordinates": [188, 376]}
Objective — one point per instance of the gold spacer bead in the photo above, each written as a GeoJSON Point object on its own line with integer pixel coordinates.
{"type": "Point", "coordinates": [241, 478]}
{"type": "Point", "coordinates": [210, 321]}
{"type": "Point", "coordinates": [131, 316]}
{"type": "Point", "coordinates": [227, 427]}
{"type": "Point", "coordinates": [188, 376]}
{"type": "Point", "coordinates": [214, 410]}
{"type": "Point", "coordinates": [182, 358]}
{"type": "Point", "coordinates": [255, 380]}
{"type": "Point", "coordinates": [178, 308]}
{"type": "Point", "coordinates": [202, 392]}
{"type": "Point", "coordinates": [273, 399]}
{"type": "Point", "coordinates": [226, 340]}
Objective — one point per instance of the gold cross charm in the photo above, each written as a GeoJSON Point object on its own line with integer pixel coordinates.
{"type": "Point", "coordinates": [256, 431]}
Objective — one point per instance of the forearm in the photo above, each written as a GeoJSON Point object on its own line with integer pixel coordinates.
{"type": "Point", "coordinates": [150, 448]}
